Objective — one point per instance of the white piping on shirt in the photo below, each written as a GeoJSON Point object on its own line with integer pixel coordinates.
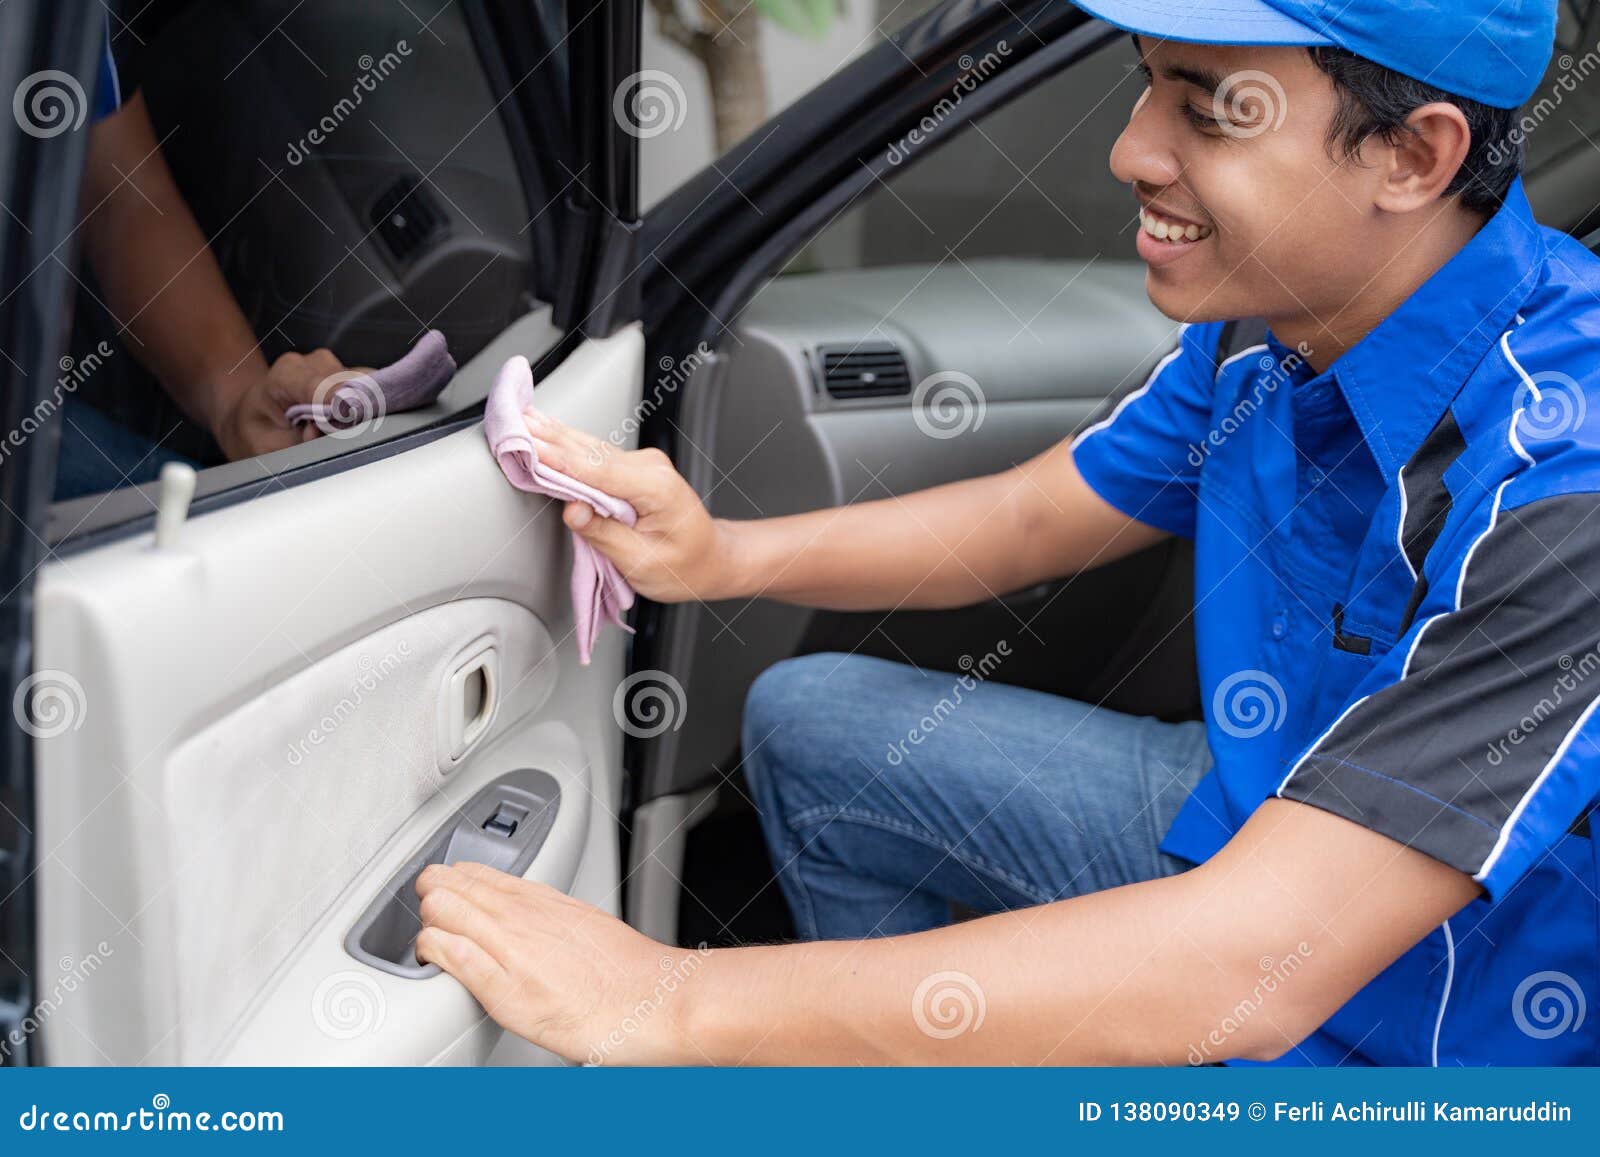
{"type": "Point", "coordinates": [1400, 530]}
{"type": "Point", "coordinates": [1449, 979]}
{"type": "Point", "coordinates": [1155, 374]}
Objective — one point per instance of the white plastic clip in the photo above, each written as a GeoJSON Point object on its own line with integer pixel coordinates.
{"type": "Point", "coordinates": [177, 490]}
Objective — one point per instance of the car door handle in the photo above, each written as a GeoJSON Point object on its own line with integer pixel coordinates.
{"type": "Point", "coordinates": [468, 701]}
{"type": "Point", "coordinates": [504, 825]}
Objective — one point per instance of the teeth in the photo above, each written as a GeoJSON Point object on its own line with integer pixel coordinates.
{"type": "Point", "coordinates": [1172, 231]}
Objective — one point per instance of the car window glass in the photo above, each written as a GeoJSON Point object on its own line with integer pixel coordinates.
{"type": "Point", "coordinates": [279, 197]}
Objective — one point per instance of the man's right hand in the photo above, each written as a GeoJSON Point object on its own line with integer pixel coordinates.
{"type": "Point", "coordinates": [676, 552]}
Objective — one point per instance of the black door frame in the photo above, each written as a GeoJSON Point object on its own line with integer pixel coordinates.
{"type": "Point", "coordinates": [35, 317]}
{"type": "Point", "coordinates": [593, 226]}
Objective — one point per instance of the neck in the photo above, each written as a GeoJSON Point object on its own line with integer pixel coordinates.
{"type": "Point", "coordinates": [1405, 265]}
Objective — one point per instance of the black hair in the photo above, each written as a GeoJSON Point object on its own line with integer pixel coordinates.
{"type": "Point", "coordinates": [1375, 101]}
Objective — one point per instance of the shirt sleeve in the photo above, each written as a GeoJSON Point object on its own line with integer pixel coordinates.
{"type": "Point", "coordinates": [1143, 458]}
{"type": "Point", "coordinates": [108, 95]}
{"type": "Point", "coordinates": [1473, 740]}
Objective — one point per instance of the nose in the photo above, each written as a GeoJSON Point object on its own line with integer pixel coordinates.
{"type": "Point", "coordinates": [1143, 153]}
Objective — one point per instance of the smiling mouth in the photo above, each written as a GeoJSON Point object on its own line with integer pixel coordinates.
{"type": "Point", "coordinates": [1171, 230]}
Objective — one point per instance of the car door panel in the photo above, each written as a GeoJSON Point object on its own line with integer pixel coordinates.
{"type": "Point", "coordinates": [370, 1016]}
{"type": "Point", "coordinates": [254, 746]}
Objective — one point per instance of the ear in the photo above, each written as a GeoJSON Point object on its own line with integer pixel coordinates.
{"type": "Point", "coordinates": [1423, 159]}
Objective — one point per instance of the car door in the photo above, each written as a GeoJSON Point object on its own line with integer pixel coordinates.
{"type": "Point", "coordinates": [232, 743]}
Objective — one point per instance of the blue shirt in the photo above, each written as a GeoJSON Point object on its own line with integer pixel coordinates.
{"type": "Point", "coordinates": [107, 83]}
{"type": "Point", "coordinates": [1396, 568]}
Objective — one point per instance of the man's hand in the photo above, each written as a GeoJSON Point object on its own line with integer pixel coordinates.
{"type": "Point", "coordinates": [554, 970]}
{"type": "Point", "coordinates": [251, 422]}
{"type": "Point", "coordinates": [677, 551]}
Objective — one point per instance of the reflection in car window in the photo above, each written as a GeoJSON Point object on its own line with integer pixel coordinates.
{"type": "Point", "coordinates": [276, 197]}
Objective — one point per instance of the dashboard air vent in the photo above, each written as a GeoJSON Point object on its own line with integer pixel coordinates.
{"type": "Point", "coordinates": [874, 369]}
{"type": "Point", "coordinates": [407, 217]}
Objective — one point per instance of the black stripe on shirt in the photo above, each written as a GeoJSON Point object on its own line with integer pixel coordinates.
{"type": "Point", "coordinates": [1441, 759]}
{"type": "Point", "coordinates": [1427, 503]}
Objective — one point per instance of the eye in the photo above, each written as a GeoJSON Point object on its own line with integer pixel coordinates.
{"type": "Point", "coordinates": [1199, 119]}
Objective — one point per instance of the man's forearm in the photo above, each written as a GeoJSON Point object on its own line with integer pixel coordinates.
{"type": "Point", "coordinates": [950, 546]}
{"type": "Point", "coordinates": [161, 282]}
{"type": "Point", "coordinates": [1112, 978]}
{"type": "Point", "coordinates": [931, 549]}
{"type": "Point", "coordinates": [1242, 957]}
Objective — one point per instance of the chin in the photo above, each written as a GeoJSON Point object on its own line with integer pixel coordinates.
{"type": "Point", "coordinates": [1189, 305]}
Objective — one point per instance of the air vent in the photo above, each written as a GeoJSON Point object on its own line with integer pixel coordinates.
{"type": "Point", "coordinates": [407, 217]}
{"type": "Point", "coordinates": [865, 370]}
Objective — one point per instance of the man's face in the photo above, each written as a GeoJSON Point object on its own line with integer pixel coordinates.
{"type": "Point", "coordinates": [1227, 148]}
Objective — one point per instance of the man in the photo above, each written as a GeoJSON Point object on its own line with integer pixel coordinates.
{"type": "Point", "coordinates": [174, 312]}
{"type": "Point", "coordinates": [1376, 850]}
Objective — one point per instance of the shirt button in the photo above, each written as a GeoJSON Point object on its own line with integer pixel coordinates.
{"type": "Point", "coordinates": [1280, 625]}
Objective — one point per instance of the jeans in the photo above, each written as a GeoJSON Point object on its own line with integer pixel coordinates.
{"type": "Point", "coordinates": [99, 454]}
{"type": "Point", "coordinates": [888, 794]}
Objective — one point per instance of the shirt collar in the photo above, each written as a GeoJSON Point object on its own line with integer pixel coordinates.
{"type": "Point", "coordinates": [1398, 380]}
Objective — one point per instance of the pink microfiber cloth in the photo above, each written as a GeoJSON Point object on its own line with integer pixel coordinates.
{"type": "Point", "coordinates": [413, 381]}
{"type": "Point", "coordinates": [599, 592]}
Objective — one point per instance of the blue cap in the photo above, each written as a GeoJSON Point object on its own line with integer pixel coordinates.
{"type": "Point", "coordinates": [1491, 52]}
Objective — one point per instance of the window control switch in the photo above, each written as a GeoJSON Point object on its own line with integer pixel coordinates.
{"type": "Point", "coordinates": [505, 820]}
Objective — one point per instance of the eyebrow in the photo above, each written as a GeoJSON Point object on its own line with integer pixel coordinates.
{"type": "Point", "coordinates": [1202, 78]}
